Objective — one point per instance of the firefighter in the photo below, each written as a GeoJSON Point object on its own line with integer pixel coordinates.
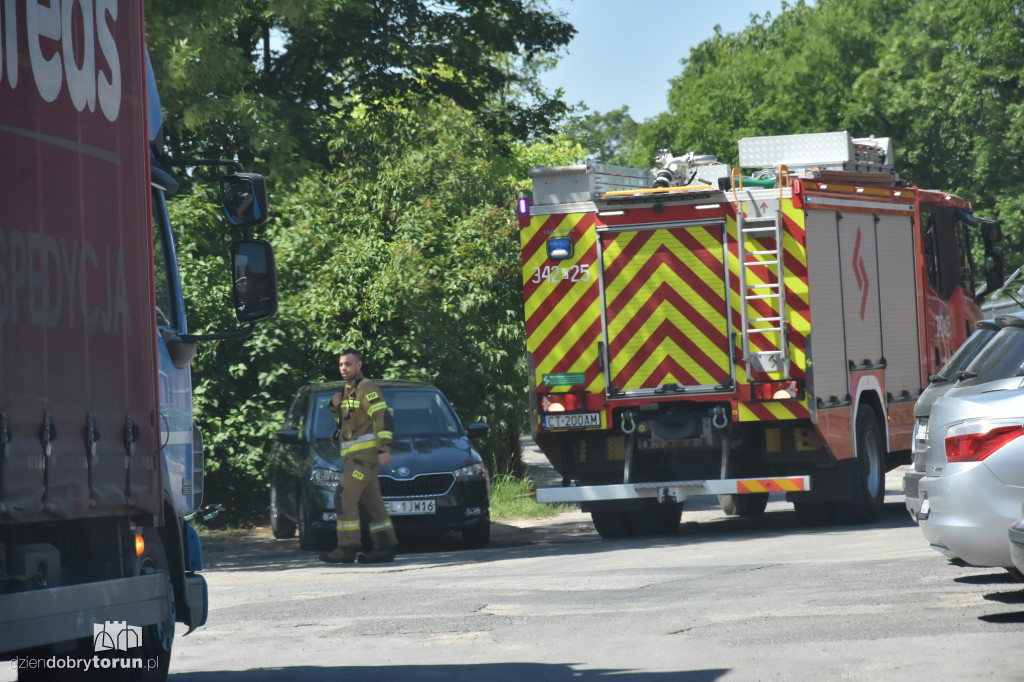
{"type": "Point", "coordinates": [365, 447]}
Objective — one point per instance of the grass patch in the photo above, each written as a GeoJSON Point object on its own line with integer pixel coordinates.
{"type": "Point", "coordinates": [511, 498]}
{"type": "Point", "coordinates": [514, 498]}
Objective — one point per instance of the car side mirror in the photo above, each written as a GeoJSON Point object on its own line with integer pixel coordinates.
{"type": "Point", "coordinates": [255, 277]}
{"type": "Point", "coordinates": [478, 430]}
{"type": "Point", "coordinates": [244, 198]}
{"type": "Point", "coordinates": [288, 436]}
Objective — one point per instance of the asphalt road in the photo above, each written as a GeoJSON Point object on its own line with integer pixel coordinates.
{"type": "Point", "coordinates": [761, 598]}
{"type": "Point", "coordinates": [724, 599]}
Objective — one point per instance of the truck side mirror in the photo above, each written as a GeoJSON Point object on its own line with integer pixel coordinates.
{"type": "Point", "coordinates": [991, 231]}
{"type": "Point", "coordinates": [994, 266]}
{"type": "Point", "coordinates": [244, 198]}
{"type": "Point", "coordinates": [255, 278]}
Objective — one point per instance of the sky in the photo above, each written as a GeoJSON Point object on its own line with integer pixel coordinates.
{"type": "Point", "coordinates": [625, 51]}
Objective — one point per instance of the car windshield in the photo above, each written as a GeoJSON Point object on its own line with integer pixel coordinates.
{"type": "Point", "coordinates": [416, 411]}
{"type": "Point", "coordinates": [1002, 357]}
{"type": "Point", "coordinates": [967, 352]}
{"type": "Point", "coordinates": [421, 412]}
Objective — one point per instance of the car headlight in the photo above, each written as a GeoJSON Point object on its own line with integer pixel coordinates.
{"type": "Point", "coordinates": [329, 476]}
{"type": "Point", "coordinates": [473, 471]}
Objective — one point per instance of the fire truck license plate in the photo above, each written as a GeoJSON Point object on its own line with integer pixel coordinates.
{"type": "Point", "coordinates": [571, 421]}
{"type": "Point", "coordinates": [400, 507]}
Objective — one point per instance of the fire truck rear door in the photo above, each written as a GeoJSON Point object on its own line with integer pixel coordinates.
{"type": "Point", "coordinates": [666, 296]}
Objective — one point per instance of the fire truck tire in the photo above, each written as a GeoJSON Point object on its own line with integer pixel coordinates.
{"type": "Point", "coordinates": [656, 519]}
{"type": "Point", "coordinates": [813, 512]}
{"type": "Point", "coordinates": [613, 523]}
{"type": "Point", "coordinates": [750, 504]}
{"type": "Point", "coordinates": [867, 485]}
{"type": "Point", "coordinates": [669, 516]}
{"type": "Point", "coordinates": [653, 519]}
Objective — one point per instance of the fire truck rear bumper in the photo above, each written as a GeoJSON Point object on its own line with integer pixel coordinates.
{"type": "Point", "coordinates": [674, 491]}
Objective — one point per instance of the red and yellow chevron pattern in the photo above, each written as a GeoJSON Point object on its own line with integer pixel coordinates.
{"type": "Point", "coordinates": [563, 317]}
{"type": "Point", "coordinates": [665, 297]}
{"type": "Point", "coordinates": [670, 318]}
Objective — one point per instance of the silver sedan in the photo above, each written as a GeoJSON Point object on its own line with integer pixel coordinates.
{"type": "Point", "coordinates": [973, 486]}
{"type": "Point", "coordinates": [972, 490]}
{"type": "Point", "coordinates": [939, 385]}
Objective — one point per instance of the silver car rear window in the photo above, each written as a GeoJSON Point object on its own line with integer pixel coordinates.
{"type": "Point", "coordinates": [967, 352]}
{"type": "Point", "coordinates": [1001, 358]}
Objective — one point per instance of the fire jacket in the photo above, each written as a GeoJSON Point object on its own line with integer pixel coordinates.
{"type": "Point", "coordinates": [362, 418]}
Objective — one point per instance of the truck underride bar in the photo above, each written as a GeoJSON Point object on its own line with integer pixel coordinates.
{"type": "Point", "coordinates": [674, 491]}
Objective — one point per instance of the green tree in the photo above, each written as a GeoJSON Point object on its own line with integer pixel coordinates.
{"type": "Point", "coordinates": [393, 206]}
{"type": "Point", "coordinates": [408, 249]}
{"type": "Point", "coordinates": [611, 137]}
{"type": "Point", "coordinates": [948, 88]}
{"type": "Point", "coordinates": [791, 74]}
{"type": "Point", "coordinates": [261, 79]}
{"type": "Point", "coordinates": [413, 244]}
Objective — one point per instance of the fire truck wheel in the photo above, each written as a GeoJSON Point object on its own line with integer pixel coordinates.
{"type": "Point", "coordinates": [612, 523]}
{"type": "Point", "coordinates": [669, 516]}
{"type": "Point", "coordinates": [867, 485]}
{"type": "Point", "coordinates": [813, 512]}
{"type": "Point", "coordinates": [749, 504]}
{"type": "Point", "coordinates": [656, 519]}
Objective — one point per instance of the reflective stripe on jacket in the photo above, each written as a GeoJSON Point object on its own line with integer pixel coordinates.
{"type": "Point", "coordinates": [360, 414]}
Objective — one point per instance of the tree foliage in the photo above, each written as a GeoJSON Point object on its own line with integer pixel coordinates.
{"type": "Point", "coordinates": [942, 78]}
{"type": "Point", "coordinates": [794, 73]}
{"type": "Point", "coordinates": [611, 137]}
{"type": "Point", "coordinates": [412, 246]}
{"type": "Point", "coordinates": [947, 87]}
{"type": "Point", "coordinates": [391, 128]}
{"type": "Point", "coordinates": [263, 78]}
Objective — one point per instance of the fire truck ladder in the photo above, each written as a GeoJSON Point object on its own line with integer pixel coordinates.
{"type": "Point", "coordinates": [768, 231]}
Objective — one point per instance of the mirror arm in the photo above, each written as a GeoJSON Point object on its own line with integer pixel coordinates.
{"type": "Point", "coordinates": [219, 336]}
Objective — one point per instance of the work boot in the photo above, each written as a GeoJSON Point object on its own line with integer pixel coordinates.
{"type": "Point", "coordinates": [377, 556]}
{"type": "Point", "coordinates": [340, 555]}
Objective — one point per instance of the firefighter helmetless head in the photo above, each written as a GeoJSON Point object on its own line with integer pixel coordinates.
{"type": "Point", "coordinates": [350, 364]}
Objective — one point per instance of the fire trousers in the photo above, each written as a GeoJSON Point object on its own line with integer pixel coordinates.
{"type": "Point", "coordinates": [360, 485]}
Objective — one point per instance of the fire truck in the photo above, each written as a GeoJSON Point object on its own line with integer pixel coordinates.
{"type": "Point", "coordinates": [709, 330]}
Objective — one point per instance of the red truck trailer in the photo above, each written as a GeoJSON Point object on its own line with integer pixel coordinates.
{"type": "Point", "coordinates": [100, 462]}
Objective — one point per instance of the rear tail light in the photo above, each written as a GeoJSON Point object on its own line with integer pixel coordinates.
{"type": "Point", "coordinates": [777, 390]}
{"type": "Point", "coordinates": [563, 402]}
{"type": "Point", "coordinates": [973, 442]}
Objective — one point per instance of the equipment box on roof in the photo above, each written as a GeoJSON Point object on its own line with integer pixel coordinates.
{"type": "Point", "coordinates": [586, 182]}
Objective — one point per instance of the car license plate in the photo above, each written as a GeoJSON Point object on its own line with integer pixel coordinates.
{"type": "Point", "coordinates": [405, 507]}
{"type": "Point", "coordinates": [583, 420]}
{"type": "Point", "coordinates": [330, 516]}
